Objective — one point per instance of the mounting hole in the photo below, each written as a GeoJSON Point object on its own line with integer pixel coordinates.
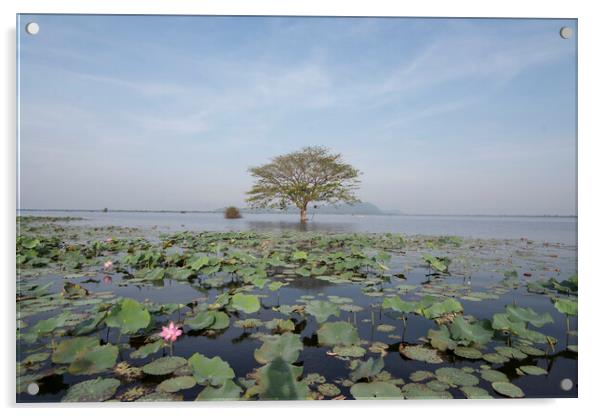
{"type": "Point", "coordinates": [33, 389]}
{"type": "Point", "coordinates": [566, 32]}
{"type": "Point", "coordinates": [32, 28]}
{"type": "Point", "coordinates": [566, 384]}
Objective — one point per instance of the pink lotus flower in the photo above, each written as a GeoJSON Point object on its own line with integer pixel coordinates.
{"type": "Point", "coordinates": [171, 332]}
{"type": "Point", "coordinates": [109, 240]}
{"type": "Point", "coordinates": [108, 265]}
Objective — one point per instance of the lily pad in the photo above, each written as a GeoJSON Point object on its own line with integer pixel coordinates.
{"type": "Point", "coordinates": [228, 391]}
{"type": "Point", "coordinates": [94, 360]}
{"type": "Point", "coordinates": [286, 346]}
{"type": "Point", "coordinates": [367, 369]}
{"type": "Point", "coordinates": [329, 390]}
{"type": "Point", "coordinates": [97, 390]}
{"type": "Point", "coordinates": [566, 306]}
{"type": "Point", "coordinates": [148, 349]}
{"type": "Point", "coordinates": [421, 353]}
{"type": "Point", "coordinates": [214, 370]}
{"type": "Point", "coordinates": [508, 389]}
{"type": "Point", "coordinates": [67, 349]}
{"type": "Point", "coordinates": [321, 310]}
{"type": "Point", "coordinates": [493, 375]}
{"type": "Point", "coordinates": [353, 351]}
{"type": "Point", "coordinates": [456, 377]}
{"type": "Point", "coordinates": [378, 390]}
{"type": "Point", "coordinates": [495, 358]}
{"type": "Point", "coordinates": [416, 391]}
{"type": "Point", "coordinates": [164, 365]}
{"type": "Point", "coordinates": [532, 370]}
{"type": "Point", "coordinates": [472, 392]}
{"type": "Point", "coordinates": [511, 352]}
{"type": "Point", "coordinates": [467, 352]}
{"type": "Point", "coordinates": [245, 303]}
{"type": "Point", "coordinates": [173, 385]}
{"type": "Point", "coordinates": [338, 333]}
{"type": "Point", "coordinates": [129, 316]}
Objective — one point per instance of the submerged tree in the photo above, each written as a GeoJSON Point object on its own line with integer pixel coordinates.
{"type": "Point", "coordinates": [312, 174]}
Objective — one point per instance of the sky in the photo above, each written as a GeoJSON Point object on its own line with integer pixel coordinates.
{"type": "Point", "coordinates": [441, 116]}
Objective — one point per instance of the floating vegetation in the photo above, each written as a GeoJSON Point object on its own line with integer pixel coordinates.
{"type": "Point", "coordinates": [145, 316]}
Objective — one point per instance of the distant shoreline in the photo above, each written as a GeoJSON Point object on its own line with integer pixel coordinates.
{"type": "Point", "coordinates": [291, 213]}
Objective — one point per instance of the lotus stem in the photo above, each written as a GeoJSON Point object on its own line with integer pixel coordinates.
{"type": "Point", "coordinates": [568, 324]}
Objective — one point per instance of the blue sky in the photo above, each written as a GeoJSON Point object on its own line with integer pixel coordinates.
{"type": "Point", "coordinates": [445, 116]}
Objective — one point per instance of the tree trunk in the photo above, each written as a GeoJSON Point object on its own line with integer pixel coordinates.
{"type": "Point", "coordinates": [304, 214]}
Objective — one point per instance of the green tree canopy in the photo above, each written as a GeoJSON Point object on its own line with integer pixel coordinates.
{"type": "Point", "coordinates": [312, 174]}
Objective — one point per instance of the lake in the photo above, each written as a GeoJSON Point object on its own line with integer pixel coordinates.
{"type": "Point", "coordinates": [550, 229]}
{"type": "Point", "coordinates": [341, 309]}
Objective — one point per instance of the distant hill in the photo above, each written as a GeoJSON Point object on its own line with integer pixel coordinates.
{"type": "Point", "coordinates": [361, 208]}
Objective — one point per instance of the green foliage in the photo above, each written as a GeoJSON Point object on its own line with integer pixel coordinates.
{"type": "Point", "coordinates": [214, 371]}
{"type": "Point", "coordinates": [129, 316]}
{"type": "Point", "coordinates": [309, 175]}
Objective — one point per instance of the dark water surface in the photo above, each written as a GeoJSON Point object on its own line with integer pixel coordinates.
{"type": "Point", "coordinates": [236, 346]}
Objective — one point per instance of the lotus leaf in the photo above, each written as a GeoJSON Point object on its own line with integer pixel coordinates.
{"type": "Point", "coordinates": [48, 325]}
{"type": "Point", "coordinates": [228, 391]}
{"type": "Point", "coordinates": [67, 349]}
{"type": "Point", "coordinates": [442, 308]}
{"type": "Point", "coordinates": [351, 351]}
{"type": "Point", "coordinates": [476, 333]}
{"type": "Point", "coordinates": [286, 347]}
{"type": "Point", "coordinates": [94, 360]}
{"type": "Point", "coordinates": [493, 375]}
{"type": "Point", "coordinates": [467, 352]}
{"type": "Point", "coordinates": [437, 385]}
{"type": "Point", "coordinates": [529, 315]}
{"type": "Point", "coordinates": [278, 380]}
{"type": "Point", "coordinates": [173, 385]}
{"type": "Point", "coordinates": [214, 370]}
{"type": "Point", "coordinates": [203, 319]}
{"type": "Point", "coordinates": [90, 325]}
{"type": "Point", "coordinates": [495, 358]}
{"type": "Point", "coordinates": [35, 358]}
{"type": "Point", "coordinates": [532, 370]}
{"type": "Point", "coordinates": [129, 316]}
{"type": "Point", "coordinates": [456, 377]}
{"type": "Point", "coordinates": [399, 305]}
{"type": "Point", "coordinates": [329, 390]}
{"type": "Point", "coordinates": [421, 353]}
{"type": "Point", "coordinates": [421, 375]}
{"type": "Point", "coordinates": [507, 389]}
{"type": "Point", "coordinates": [472, 392]}
{"type": "Point", "coordinates": [530, 350]}
{"type": "Point", "coordinates": [423, 392]}
{"type": "Point", "coordinates": [160, 396]}
{"type": "Point", "coordinates": [441, 338]}
{"type": "Point", "coordinates": [245, 303]}
{"type": "Point", "coordinates": [378, 390]}
{"type": "Point", "coordinates": [511, 352]}
{"type": "Point", "coordinates": [96, 390]}
{"type": "Point", "coordinates": [321, 310]}
{"type": "Point", "coordinates": [566, 306]}
{"type": "Point", "coordinates": [148, 349]}
{"type": "Point", "coordinates": [338, 333]}
{"type": "Point", "coordinates": [367, 369]}
{"type": "Point", "coordinates": [164, 365]}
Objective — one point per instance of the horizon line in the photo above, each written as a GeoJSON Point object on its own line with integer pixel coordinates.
{"type": "Point", "coordinates": [219, 210]}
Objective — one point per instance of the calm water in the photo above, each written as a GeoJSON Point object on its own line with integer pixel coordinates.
{"type": "Point", "coordinates": [549, 229]}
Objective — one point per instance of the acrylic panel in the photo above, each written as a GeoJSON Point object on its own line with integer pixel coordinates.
{"type": "Point", "coordinates": [295, 208]}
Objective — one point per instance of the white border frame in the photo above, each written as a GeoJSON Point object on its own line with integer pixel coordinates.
{"type": "Point", "coordinates": [590, 68]}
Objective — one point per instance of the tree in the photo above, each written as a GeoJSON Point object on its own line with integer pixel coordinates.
{"type": "Point", "coordinates": [311, 174]}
